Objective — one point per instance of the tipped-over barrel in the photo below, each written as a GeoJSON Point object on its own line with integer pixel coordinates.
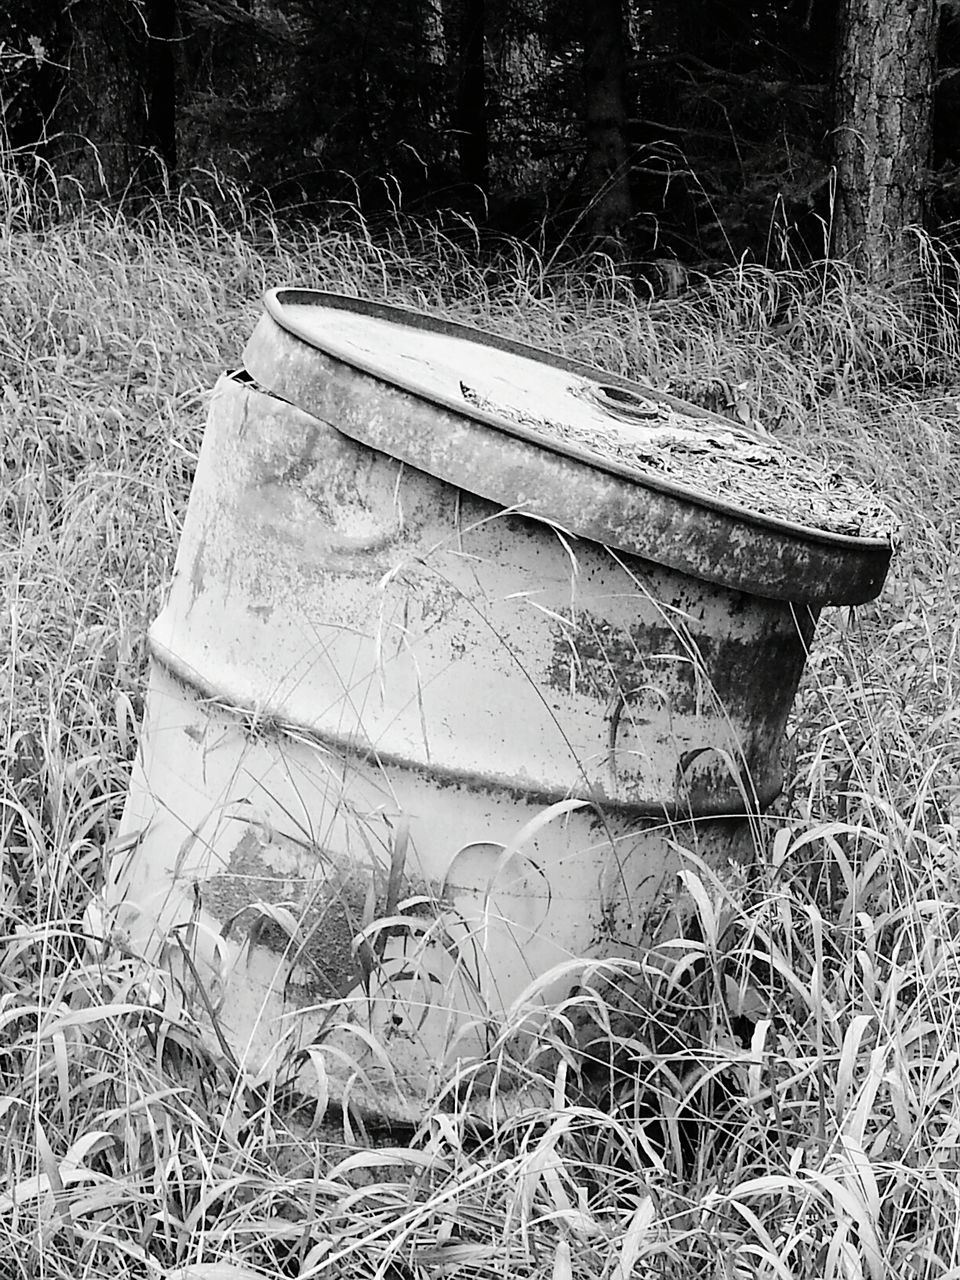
{"type": "Point", "coordinates": [457, 661]}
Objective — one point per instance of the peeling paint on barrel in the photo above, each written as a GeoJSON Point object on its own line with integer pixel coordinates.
{"type": "Point", "coordinates": [333, 903]}
{"type": "Point", "coordinates": [369, 689]}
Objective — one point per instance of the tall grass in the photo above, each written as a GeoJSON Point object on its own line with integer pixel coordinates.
{"type": "Point", "coordinates": [773, 1095]}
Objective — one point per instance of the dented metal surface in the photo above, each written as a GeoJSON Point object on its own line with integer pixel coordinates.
{"type": "Point", "coordinates": [392, 615]}
{"type": "Point", "coordinates": [368, 688]}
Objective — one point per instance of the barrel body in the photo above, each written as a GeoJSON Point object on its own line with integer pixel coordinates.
{"type": "Point", "coordinates": [407, 754]}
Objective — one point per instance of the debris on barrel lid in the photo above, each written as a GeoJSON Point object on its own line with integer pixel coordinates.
{"type": "Point", "coordinates": [734, 464]}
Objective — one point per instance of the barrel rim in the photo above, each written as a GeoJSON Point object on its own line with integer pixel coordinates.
{"type": "Point", "coordinates": [274, 304]}
{"type": "Point", "coordinates": [711, 540]}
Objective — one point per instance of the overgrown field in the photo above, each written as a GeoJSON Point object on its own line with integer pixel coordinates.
{"type": "Point", "coordinates": [824, 1142]}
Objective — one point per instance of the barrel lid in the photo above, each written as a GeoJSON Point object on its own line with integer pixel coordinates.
{"type": "Point", "coordinates": [596, 454]}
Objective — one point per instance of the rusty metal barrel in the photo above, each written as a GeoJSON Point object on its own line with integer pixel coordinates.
{"type": "Point", "coordinates": [465, 645]}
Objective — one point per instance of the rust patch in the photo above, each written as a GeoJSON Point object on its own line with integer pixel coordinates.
{"type": "Point", "coordinates": [599, 659]}
{"type": "Point", "coordinates": [594, 657]}
{"type": "Point", "coordinates": [198, 577]}
{"type": "Point", "coordinates": [326, 903]}
{"type": "Point", "coordinates": [328, 898]}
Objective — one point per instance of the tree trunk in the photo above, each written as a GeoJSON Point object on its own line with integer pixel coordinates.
{"type": "Point", "coordinates": [433, 33]}
{"type": "Point", "coordinates": [471, 118]}
{"type": "Point", "coordinates": [160, 134]}
{"type": "Point", "coordinates": [883, 115]}
{"type": "Point", "coordinates": [605, 120]}
{"type": "Point", "coordinates": [116, 121]}
{"type": "Point", "coordinates": [521, 119]}
{"type": "Point", "coordinates": [431, 79]}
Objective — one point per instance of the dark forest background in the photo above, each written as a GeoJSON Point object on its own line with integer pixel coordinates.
{"type": "Point", "coordinates": [686, 132]}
